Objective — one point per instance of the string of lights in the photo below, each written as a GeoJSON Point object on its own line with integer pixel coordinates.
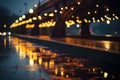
{"type": "Point", "coordinates": [99, 13]}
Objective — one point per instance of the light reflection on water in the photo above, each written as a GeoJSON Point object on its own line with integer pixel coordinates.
{"type": "Point", "coordinates": [59, 65]}
{"type": "Point", "coordinates": [4, 42]}
{"type": "Point", "coordinates": [109, 46]}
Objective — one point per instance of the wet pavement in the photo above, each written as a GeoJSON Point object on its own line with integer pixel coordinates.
{"type": "Point", "coordinates": [22, 60]}
{"type": "Point", "coordinates": [103, 45]}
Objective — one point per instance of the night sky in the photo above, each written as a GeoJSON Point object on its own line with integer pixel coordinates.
{"type": "Point", "coordinates": [17, 6]}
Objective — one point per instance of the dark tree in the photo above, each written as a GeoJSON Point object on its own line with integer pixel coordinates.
{"type": "Point", "coordinates": [5, 19]}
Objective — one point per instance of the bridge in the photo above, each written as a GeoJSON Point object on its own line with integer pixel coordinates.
{"type": "Point", "coordinates": [53, 17]}
{"type": "Point", "coordinates": [41, 44]}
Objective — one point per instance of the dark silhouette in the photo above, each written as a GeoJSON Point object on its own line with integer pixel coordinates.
{"type": "Point", "coordinates": [6, 18]}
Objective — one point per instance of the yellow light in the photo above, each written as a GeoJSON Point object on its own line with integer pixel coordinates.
{"type": "Point", "coordinates": [47, 24]}
{"type": "Point", "coordinates": [79, 21]}
{"type": "Point", "coordinates": [35, 5]}
{"type": "Point", "coordinates": [34, 18]}
{"type": "Point", "coordinates": [23, 16]}
{"type": "Point", "coordinates": [77, 25]}
{"type": "Point", "coordinates": [93, 18]}
{"type": "Point", "coordinates": [30, 20]}
{"type": "Point", "coordinates": [4, 33]}
{"type": "Point", "coordinates": [108, 21]}
{"type": "Point", "coordinates": [60, 12]}
{"type": "Point", "coordinates": [89, 21]}
{"type": "Point", "coordinates": [95, 12]}
{"type": "Point", "coordinates": [68, 26]}
{"type": "Point", "coordinates": [16, 21]}
{"type": "Point", "coordinates": [97, 5]}
{"type": "Point", "coordinates": [72, 16]}
{"type": "Point", "coordinates": [61, 8]}
{"type": "Point", "coordinates": [69, 23]}
{"type": "Point", "coordinates": [113, 18]}
{"type": "Point", "coordinates": [78, 3]}
{"type": "Point", "coordinates": [77, 17]}
{"type": "Point", "coordinates": [53, 24]}
{"type": "Point", "coordinates": [9, 33]}
{"type": "Point", "coordinates": [102, 19]}
{"type": "Point", "coordinates": [67, 76]}
{"type": "Point", "coordinates": [55, 11]}
{"type": "Point", "coordinates": [62, 71]}
{"type": "Point", "coordinates": [94, 21]}
{"type": "Point", "coordinates": [93, 69]}
{"type": "Point", "coordinates": [26, 21]}
{"type": "Point", "coordinates": [20, 18]}
{"type": "Point", "coordinates": [51, 64]}
{"type": "Point", "coordinates": [34, 57]}
{"type": "Point", "coordinates": [107, 45]}
{"type": "Point", "coordinates": [45, 14]}
{"type": "Point", "coordinates": [31, 61]}
{"type": "Point", "coordinates": [117, 17]}
{"type": "Point", "coordinates": [89, 13]}
{"type": "Point", "coordinates": [29, 26]}
{"type": "Point", "coordinates": [109, 18]}
{"type": "Point", "coordinates": [31, 10]}
{"type": "Point", "coordinates": [85, 20]}
{"type": "Point", "coordinates": [113, 14]}
{"type": "Point", "coordinates": [98, 20]}
{"type": "Point", "coordinates": [105, 74]}
{"type": "Point", "coordinates": [40, 60]}
{"type": "Point", "coordinates": [5, 25]}
{"type": "Point", "coordinates": [40, 17]}
{"type": "Point", "coordinates": [46, 64]}
{"type": "Point", "coordinates": [107, 9]}
{"type": "Point", "coordinates": [66, 7]}
{"type": "Point", "coordinates": [51, 14]}
{"type": "Point", "coordinates": [105, 16]}
{"type": "Point", "coordinates": [56, 71]}
{"type": "Point", "coordinates": [72, 8]}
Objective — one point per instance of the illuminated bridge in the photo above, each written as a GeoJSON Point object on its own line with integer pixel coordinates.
{"type": "Point", "coordinates": [55, 17]}
{"type": "Point", "coordinates": [32, 56]}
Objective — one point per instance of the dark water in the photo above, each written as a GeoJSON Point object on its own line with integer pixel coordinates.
{"type": "Point", "coordinates": [22, 60]}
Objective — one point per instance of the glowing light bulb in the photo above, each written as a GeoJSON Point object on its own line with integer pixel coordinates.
{"type": "Point", "coordinates": [23, 16]}
{"type": "Point", "coordinates": [55, 11]}
{"type": "Point", "coordinates": [62, 8]}
{"type": "Point", "coordinates": [31, 10]}
{"type": "Point", "coordinates": [78, 3]}
{"type": "Point", "coordinates": [107, 9]}
{"type": "Point", "coordinates": [66, 7]}
{"type": "Point", "coordinates": [45, 14]}
{"type": "Point", "coordinates": [105, 74]}
{"type": "Point", "coordinates": [89, 13]}
{"type": "Point", "coordinates": [108, 21]}
{"type": "Point", "coordinates": [77, 25]}
{"type": "Point", "coordinates": [72, 8]}
{"type": "Point", "coordinates": [97, 5]}
{"type": "Point", "coordinates": [61, 12]}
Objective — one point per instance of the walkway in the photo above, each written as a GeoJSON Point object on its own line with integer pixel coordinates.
{"type": "Point", "coordinates": [105, 45]}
